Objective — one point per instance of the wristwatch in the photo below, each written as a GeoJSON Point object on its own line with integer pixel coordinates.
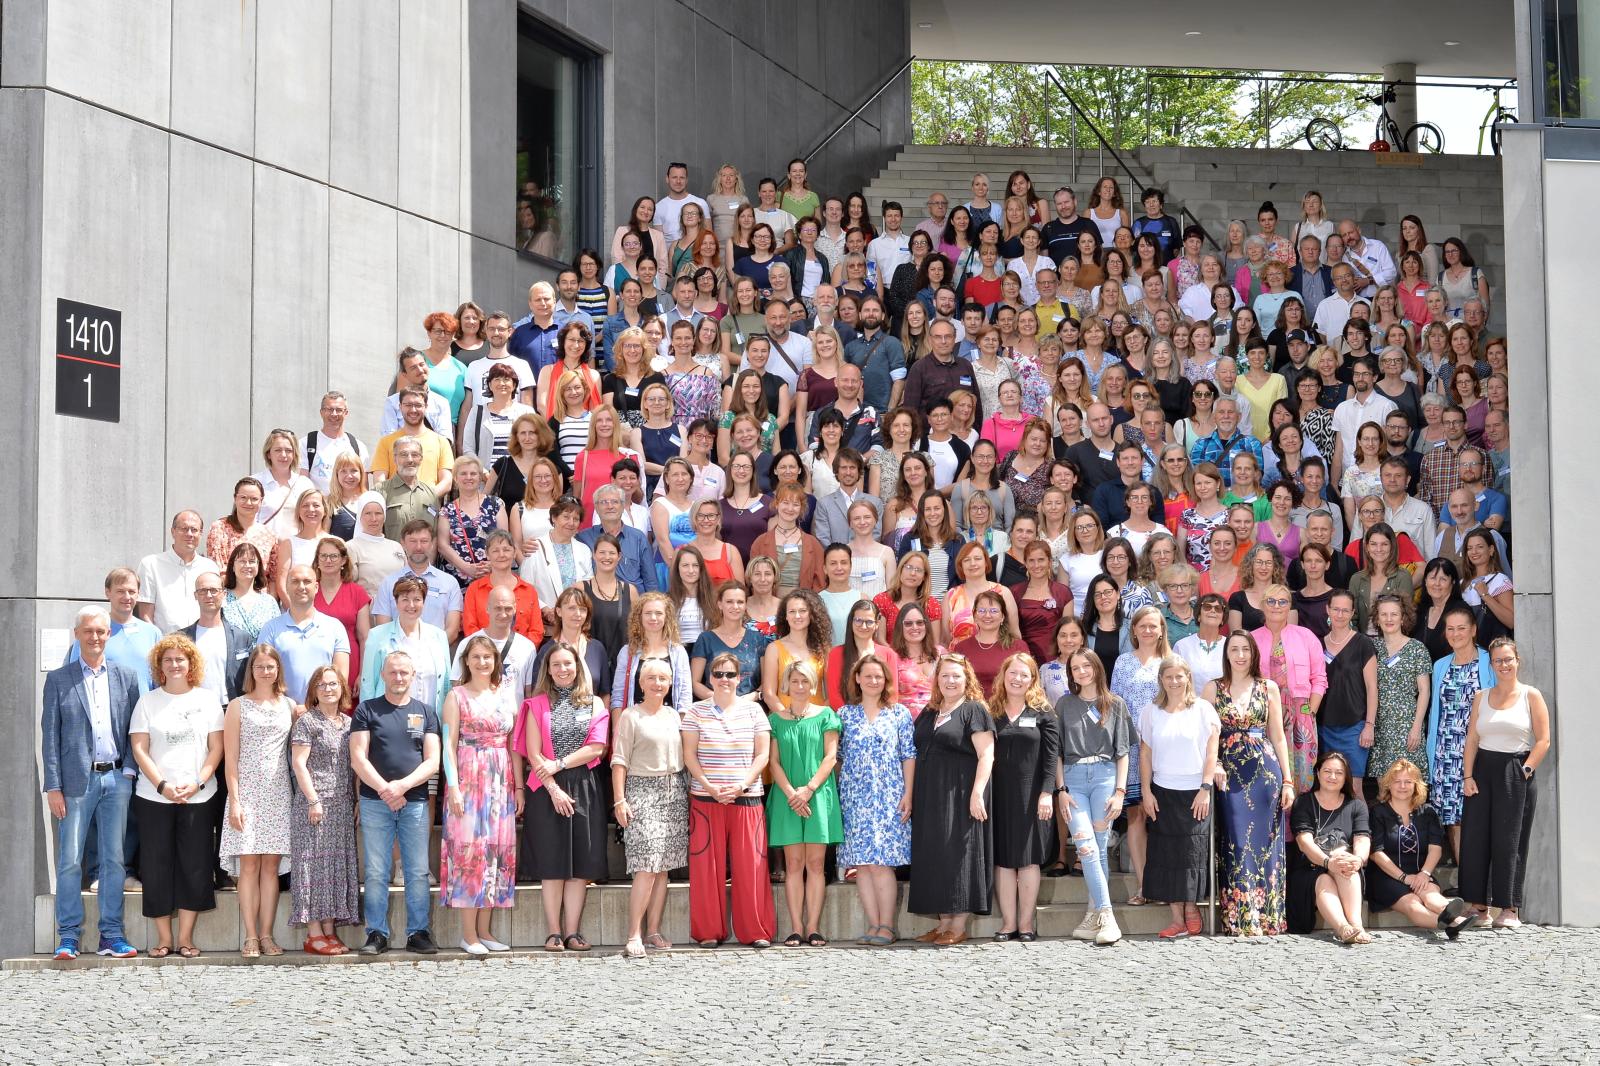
{"type": "Point", "coordinates": [1528, 772]}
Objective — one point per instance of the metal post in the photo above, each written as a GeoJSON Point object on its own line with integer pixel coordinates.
{"type": "Point", "coordinates": [1074, 149]}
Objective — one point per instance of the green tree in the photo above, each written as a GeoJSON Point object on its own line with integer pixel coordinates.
{"type": "Point", "coordinates": [1017, 104]}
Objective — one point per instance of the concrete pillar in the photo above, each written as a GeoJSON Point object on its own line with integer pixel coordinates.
{"type": "Point", "coordinates": [1404, 108]}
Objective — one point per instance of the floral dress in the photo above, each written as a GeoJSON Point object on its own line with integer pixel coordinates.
{"type": "Point", "coordinates": [469, 534]}
{"type": "Point", "coordinates": [478, 856]}
{"type": "Point", "coordinates": [1137, 685]}
{"type": "Point", "coordinates": [327, 867]}
{"type": "Point", "coordinates": [250, 613]}
{"type": "Point", "coordinates": [871, 784]}
{"type": "Point", "coordinates": [264, 789]}
{"type": "Point", "coordinates": [1357, 484]}
{"type": "Point", "coordinates": [1250, 853]}
{"type": "Point", "coordinates": [1456, 692]}
{"type": "Point", "coordinates": [1035, 387]}
{"type": "Point", "coordinates": [887, 463]}
{"type": "Point", "coordinates": [987, 382]}
{"type": "Point", "coordinates": [1397, 706]}
{"type": "Point", "coordinates": [1299, 725]}
{"type": "Point", "coordinates": [1197, 532]}
{"type": "Point", "coordinates": [695, 394]}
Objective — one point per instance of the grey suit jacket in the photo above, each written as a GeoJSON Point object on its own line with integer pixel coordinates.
{"type": "Point", "coordinates": [238, 657]}
{"type": "Point", "coordinates": [68, 739]}
{"type": "Point", "coordinates": [831, 522]}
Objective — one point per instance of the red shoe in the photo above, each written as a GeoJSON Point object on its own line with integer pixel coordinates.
{"type": "Point", "coordinates": [1193, 925]}
{"type": "Point", "coordinates": [1175, 931]}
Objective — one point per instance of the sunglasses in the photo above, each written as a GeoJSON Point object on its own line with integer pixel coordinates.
{"type": "Point", "coordinates": [725, 675]}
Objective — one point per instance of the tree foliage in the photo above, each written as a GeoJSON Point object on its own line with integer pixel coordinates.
{"type": "Point", "coordinates": [1017, 104]}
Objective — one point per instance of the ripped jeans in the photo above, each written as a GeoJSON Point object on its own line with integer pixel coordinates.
{"type": "Point", "coordinates": [1090, 785]}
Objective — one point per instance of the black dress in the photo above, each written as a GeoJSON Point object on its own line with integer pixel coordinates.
{"type": "Point", "coordinates": [1330, 830]}
{"type": "Point", "coordinates": [608, 619]}
{"type": "Point", "coordinates": [1406, 845]}
{"type": "Point", "coordinates": [1312, 611]}
{"type": "Point", "coordinates": [1432, 637]}
{"type": "Point", "coordinates": [952, 855]}
{"type": "Point", "coordinates": [1250, 618]}
{"type": "Point", "coordinates": [565, 847]}
{"type": "Point", "coordinates": [1026, 751]}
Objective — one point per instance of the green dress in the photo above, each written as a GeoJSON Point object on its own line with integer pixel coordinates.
{"type": "Point", "coordinates": [1397, 705]}
{"type": "Point", "coordinates": [798, 749]}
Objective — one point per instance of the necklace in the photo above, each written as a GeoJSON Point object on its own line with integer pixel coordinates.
{"type": "Point", "coordinates": [982, 646]}
{"type": "Point", "coordinates": [599, 594]}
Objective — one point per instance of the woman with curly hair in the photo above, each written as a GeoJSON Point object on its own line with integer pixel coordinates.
{"type": "Point", "coordinates": [804, 633]}
{"type": "Point", "coordinates": [652, 635]}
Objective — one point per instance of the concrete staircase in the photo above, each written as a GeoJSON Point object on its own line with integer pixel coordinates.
{"type": "Point", "coordinates": [1453, 195]}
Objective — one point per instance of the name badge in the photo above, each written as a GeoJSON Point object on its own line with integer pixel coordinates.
{"type": "Point", "coordinates": [738, 338]}
{"type": "Point", "coordinates": [433, 511]}
{"type": "Point", "coordinates": [1105, 455]}
{"type": "Point", "coordinates": [755, 506]}
{"type": "Point", "coordinates": [1093, 715]}
{"type": "Point", "coordinates": [675, 439]}
{"type": "Point", "coordinates": [1328, 656]}
{"type": "Point", "coordinates": [966, 379]}
{"type": "Point", "coordinates": [413, 723]}
{"type": "Point", "coordinates": [788, 549]}
{"type": "Point", "coordinates": [869, 575]}
{"type": "Point", "coordinates": [241, 655]}
{"type": "Point", "coordinates": [631, 390]}
{"type": "Point", "coordinates": [1027, 721]}
{"type": "Point", "coordinates": [1394, 660]}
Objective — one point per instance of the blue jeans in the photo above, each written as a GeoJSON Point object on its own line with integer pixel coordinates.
{"type": "Point", "coordinates": [1090, 785]}
{"type": "Point", "coordinates": [105, 801]}
{"type": "Point", "coordinates": [380, 828]}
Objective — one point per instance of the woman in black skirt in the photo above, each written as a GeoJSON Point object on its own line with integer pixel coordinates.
{"type": "Point", "coordinates": [952, 845]}
{"type": "Point", "coordinates": [1407, 843]}
{"type": "Point", "coordinates": [562, 732]}
{"type": "Point", "coordinates": [1332, 840]}
{"type": "Point", "coordinates": [1027, 746]}
{"type": "Point", "coordinates": [1178, 732]}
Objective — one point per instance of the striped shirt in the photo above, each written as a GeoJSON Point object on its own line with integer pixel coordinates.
{"type": "Point", "coordinates": [727, 742]}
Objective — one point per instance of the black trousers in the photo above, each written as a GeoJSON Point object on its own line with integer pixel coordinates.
{"type": "Point", "coordinates": [176, 863]}
{"type": "Point", "coordinates": [1495, 826]}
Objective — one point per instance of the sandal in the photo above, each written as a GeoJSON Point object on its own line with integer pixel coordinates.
{"type": "Point", "coordinates": [657, 941]}
{"type": "Point", "coordinates": [189, 951]}
{"type": "Point", "coordinates": [160, 951]}
{"type": "Point", "coordinates": [709, 944]}
{"type": "Point", "coordinates": [269, 947]}
{"type": "Point", "coordinates": [1056, 869]}
{"type": "Point", "coordinates": [633, 949]}
{"type": "Point", "coordinates": [249, 952]}
{"type": "Point", "coordinates": [1346, 934]}
{"type": "Point", "coordinates": [553, 943]}
{"type": "Point", "coordinates": [816, 940]}
{"type": "Point", "coordinates": [1137, 900]}
{"type": "Point", "coordinates": [1361, 937]}
{"type": "Point", "coordinates": [793, 940]}
{"type": "Point", "coordinates": [575, 942]}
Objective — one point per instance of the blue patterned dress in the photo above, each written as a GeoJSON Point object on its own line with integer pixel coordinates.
{"type": "Point", "coordinates": [871, 783]}
{"type": "Point", "coordinates": [1137, 685]}
{"type": "Point", "coordinates": [1456, 693]}
{"type": "Point", "coordinates": [1250, 849]}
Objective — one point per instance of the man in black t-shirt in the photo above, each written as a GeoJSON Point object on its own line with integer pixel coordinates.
{"type": "Point", "coordinates": [1061, 232]}
{"type": "Point", "coordinates": [1096, 453]}
{"type": "Point", "coordinates": [394, 750]}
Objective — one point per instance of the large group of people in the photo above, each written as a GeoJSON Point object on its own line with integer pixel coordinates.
{"type": "Point", "coordinates": [797, 543]}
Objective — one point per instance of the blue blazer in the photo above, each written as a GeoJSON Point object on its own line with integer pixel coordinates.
{"type": "Point", "coordinates": [1440, 668]}
{"type": "Point", "coordinates": [68, 740]}
{"type": "Point", "coordinates": [237, 656]}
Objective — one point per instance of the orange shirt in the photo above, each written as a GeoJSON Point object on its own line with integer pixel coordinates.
{"type": "Point", "coordinates": [475, 609]}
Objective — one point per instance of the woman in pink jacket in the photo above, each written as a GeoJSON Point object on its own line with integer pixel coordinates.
{"type": "Point", "coordinates": [1291, 656]}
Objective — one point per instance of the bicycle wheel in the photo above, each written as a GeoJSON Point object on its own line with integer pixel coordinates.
{"type": "Point", "coordinates": [1501, 120]}
{"type": "Point", "coordinates": [1426, 136]}
{"type": "Point", "coordinates": [1323, 135]}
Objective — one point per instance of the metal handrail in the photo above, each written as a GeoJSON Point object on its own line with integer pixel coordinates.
{"type": "Point", "coordinates": [1142, 181]}
{"type": "Point", "coordinates": [857, 112]}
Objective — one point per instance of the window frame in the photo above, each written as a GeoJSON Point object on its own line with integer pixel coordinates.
{"type": "Point", "coordinates": [589, 131]}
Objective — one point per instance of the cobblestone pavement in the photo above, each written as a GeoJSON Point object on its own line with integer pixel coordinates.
{"type": "Point", "coordinates": [1525, 997]}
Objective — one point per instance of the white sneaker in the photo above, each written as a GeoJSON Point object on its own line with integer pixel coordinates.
{"type": "Point", "coordinates": [94, 887]}
{"type": "Point", "coordinates": [1109, 932]}
{"type": "Point", "coordinates": [433, 879]}
{"type": "Point", "coordinates": [493, 945]}
{"type": "Point", "coordinates": [132, 884]}
{"type": "Point", "coordinates": [475, 949]}
{"type": "Point", "coordinates": [1089, 928]}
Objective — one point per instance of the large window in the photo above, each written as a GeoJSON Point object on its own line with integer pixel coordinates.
{"type": "Point", "coordinates": [1572, 60]}
{"type": "Point", "coordinates": [558, 143]}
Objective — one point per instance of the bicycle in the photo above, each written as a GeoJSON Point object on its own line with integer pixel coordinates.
{"type": "Point", "coordinates": [1324, 134]}
{"type": "Point", "coordinates": [1496, 118]}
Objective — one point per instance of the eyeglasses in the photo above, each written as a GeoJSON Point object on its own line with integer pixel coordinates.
{"type": "Point", "coordinates": [909, 622]}
{"type": "Point", "coordinates": [865, 621]}
{"type": "Point", "coordinates": [986, 611]}
{"type": "Point", "coordinates": [724, 675]}
{"type": "Point", "coordinates": [1276, 601]}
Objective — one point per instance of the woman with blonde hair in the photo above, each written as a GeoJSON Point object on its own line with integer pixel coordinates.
{"type": "Point", "coordinates": [1178, 733]}
{"type": "Point", "coordinates": [1407, 847]}
{"type": "Point", "coordinates": [570, 412]}
{"type": "Point", "coordinates": [346, 486]}
{"type": "Point", "coordinates": [1027, 752]}
{"type": "Point", "coordinates": [530, 517]}
{"type": "Point", "coordinates": [466, 521]}
{"type": "Point", "coordinates": [952, 844]}
{"type": "Point", "coordinates": [299, 548]}
{"type": "Point", "coordinates": [530, 441]}
{"type": "Point", "coordinates": [605, 445]}
{"type": "Point", "coordinates": [282, 484]}
{"type": "Point", "coordinates": [1096, 732]}
{"type": "Point", "coordinates": [651, 805]}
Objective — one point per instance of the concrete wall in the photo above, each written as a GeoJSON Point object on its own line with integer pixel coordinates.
{"type": "Point", "coordinates": [275, 194]}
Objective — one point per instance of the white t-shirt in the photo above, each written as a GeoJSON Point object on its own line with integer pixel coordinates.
{"type": "Point", "coordinates": [669, 214]}
{"type": "Point", "coordinates": [478, 376]}
{"type": "Point", "coordinates": [888, 251]}
{"type": "Point", "coordinates": [780, 220]}
{"type": "Point", "coordinates": [330, 448]}
{"type": "Point", "coordinates": [1177, 742]}
{"type": "Point", "coordinates": [179, 728]}
{"type": "Point", "coordinates": [944, 462]}
{"type": "Point", "coordinates": [167, 583]}
{"type": "Point", "coordinates": [277, 505]}
{"type": "Point", "coordinates": [516, 660]}
{"type": "Point", "coordinates": [798, 348]}
{"type": "Point", "coordinates": [213, 645]}
{"type": "Point", "coordinates": [1205, 663]}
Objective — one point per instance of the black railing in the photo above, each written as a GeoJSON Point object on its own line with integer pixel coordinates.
{"type": "Point", "coordinates": [1139, 180]}
{"type": "Point", "coordinates": [852, 116]}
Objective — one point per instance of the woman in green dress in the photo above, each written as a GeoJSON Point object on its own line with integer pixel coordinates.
{"type": "Point", "coordinates": [803, 815]}
{"type": "Point", "coordinates": [1405, 683]}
